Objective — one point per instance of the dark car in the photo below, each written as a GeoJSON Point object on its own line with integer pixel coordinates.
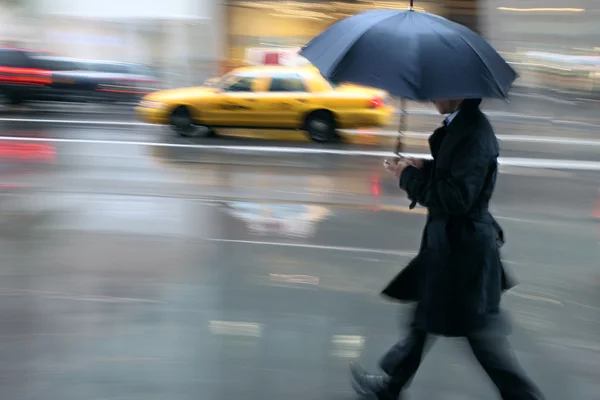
{"type": "Point", "coordinates": [122, 81]}
{"type": "Point", "coordinates": [36, 76]}
{"type": "Point", "coordinates": [70, 82]}
{"type": "Point", "coordinates": [20, 77]}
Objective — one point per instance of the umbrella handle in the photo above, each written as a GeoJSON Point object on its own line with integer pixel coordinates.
{"type": "Point", "coordinates": [401, 128]}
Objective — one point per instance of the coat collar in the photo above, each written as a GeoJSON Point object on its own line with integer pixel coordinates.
{"type": "Point", "coordinates": [452, 134]}
{"type": "Point", "coordinates": [450, 117]}
{"type": "Point", "coordinates": [456, 131]}
{"type": "Point", "coordinates": [466, 112]}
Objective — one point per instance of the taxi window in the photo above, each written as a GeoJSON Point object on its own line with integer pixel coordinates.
{"type": "Point", "coordinates": [287, 83]}
{"type": "Point", "coordinates": [237, 83]}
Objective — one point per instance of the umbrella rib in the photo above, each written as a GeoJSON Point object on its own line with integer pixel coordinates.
{"type": "Point", "coordinates": [449, 24]}
{"type": "Point", "coordinates": [391, 15]}
{"type": "Point", "coordinates": [487, 67]}
{"type": "Point", "coordinates": [349, 45]}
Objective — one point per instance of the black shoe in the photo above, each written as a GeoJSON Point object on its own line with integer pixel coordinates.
{"type": "Point", "coordinates": [370, 386]}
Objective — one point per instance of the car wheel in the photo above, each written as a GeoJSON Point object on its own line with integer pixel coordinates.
{"type": "Point", "coordinates": [184, 125]}
{"type": "Point", "coordinates": [5, 101]}
{"type": "Point", "coordinates": [320, 126]}
{"type": "Point", "coordinates": [15, 100]}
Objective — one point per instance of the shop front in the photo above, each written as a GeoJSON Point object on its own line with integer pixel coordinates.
{"type": "Point", "coordinates": [266, 31]}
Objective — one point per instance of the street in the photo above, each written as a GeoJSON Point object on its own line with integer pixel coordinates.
{"type": "Point", "coordinates": [140, 265]}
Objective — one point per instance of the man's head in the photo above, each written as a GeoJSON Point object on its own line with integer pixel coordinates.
{"type": "Point", "coordinates": [447, 106]}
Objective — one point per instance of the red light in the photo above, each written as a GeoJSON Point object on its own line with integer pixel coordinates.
{"type": "Point", "coordinates": [376, 102]}
{"type": "Point", "coordinates": [376, 186]}
{"type": "Point", "coordinates": [31, 76]}
{"type": "Point", "coordinates": [27, 152]}
{"type": "Point", "coordinates": [271, 59]}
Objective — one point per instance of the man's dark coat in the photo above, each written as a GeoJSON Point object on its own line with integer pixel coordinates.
{"type": "Point", "coordinates": [457, 278]}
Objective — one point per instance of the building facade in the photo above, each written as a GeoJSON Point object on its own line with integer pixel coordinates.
{"type": "Point", "coordinates": [181, 38]}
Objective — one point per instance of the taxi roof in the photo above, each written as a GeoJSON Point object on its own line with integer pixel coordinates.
{"type": "Point", "coordinates": [277, 68]}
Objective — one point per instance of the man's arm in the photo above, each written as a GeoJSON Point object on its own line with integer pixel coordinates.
{"type": "Point", "coordinates": [456, 192]}
{"type": "Point", "coordinates": [426, 168]}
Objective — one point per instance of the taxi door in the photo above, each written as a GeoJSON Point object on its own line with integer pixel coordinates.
{"type": "Point", "coordinates": [236, 103]}
{"type": "Point", "coordinates": [283, 97]}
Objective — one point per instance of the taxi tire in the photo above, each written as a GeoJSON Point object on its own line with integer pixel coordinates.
{"type": "Point", "coordinates": [326, 131]}
{"type": "Point", "coordinates": [183, 124]}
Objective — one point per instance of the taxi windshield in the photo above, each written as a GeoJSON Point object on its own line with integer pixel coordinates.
{"type": "Point", "coordinates": [227, 80]}
{"type": "Point", "coordinates": [332, 83]}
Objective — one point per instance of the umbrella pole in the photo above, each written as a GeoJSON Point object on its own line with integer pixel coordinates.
{"type": "Point", "coordinates": [401, 127]}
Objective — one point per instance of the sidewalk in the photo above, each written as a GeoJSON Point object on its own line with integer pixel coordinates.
{"type": "Point", "coordinates": [529, 106]}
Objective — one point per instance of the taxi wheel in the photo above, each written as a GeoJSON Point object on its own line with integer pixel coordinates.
{"type": "Point", "coordinates": [320, 126]}
{"type": "Point", "coordinates": [184, 125]}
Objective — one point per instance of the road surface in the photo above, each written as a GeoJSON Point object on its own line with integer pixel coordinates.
{"type": "Point", "coordinates": [137, 265]}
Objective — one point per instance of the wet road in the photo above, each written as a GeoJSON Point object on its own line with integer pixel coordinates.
{"type": "Point", "coordinates": [521, 139]}
{"type": "Point", "coordinates": [135, 271]}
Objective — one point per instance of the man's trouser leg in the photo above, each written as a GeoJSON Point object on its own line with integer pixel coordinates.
{"type": "Point", "coordinates": [401, 362]}
{"type": "Point", "coordinates": [495, 355]}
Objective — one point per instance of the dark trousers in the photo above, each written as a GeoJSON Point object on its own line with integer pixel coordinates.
{"type": "Point", "coordinates": [492, 351]}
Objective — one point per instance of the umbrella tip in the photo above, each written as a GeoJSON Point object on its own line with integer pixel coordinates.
{"type": "Point", "coordinates": [411, 7]}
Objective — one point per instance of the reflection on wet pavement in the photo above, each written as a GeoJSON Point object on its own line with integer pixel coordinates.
{"type": "Point", "coordinates": [122, 297]}
{"type": "Point", "coordinates": [157, 273]}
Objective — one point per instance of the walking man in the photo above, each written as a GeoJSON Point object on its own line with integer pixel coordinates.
{"type": "Point", "coordinates": [457, 278]}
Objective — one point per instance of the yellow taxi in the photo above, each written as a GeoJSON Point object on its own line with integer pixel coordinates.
{"type": "Point", "coordinates": [268, 97]}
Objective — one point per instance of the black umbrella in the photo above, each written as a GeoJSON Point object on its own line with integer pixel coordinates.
{"type": "Point", "coordinates": [412, 55]}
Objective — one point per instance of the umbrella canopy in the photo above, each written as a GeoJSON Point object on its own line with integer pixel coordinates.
{"type": "Point", "coordinates": [410, 54]}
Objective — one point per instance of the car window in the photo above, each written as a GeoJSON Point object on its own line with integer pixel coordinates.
{"type": "Point", "coordinates": [14, 59]}
{"type": "Point", "coordinates": [56, 64]}
{"type": "Point", "coordinates": [108, 68]}
{"type": "Point", "coordinates": [287, 83]}
{"type": "Point", "coordinates": [238, 83]}
{"type": "Point", "coordinates": [138, 70]}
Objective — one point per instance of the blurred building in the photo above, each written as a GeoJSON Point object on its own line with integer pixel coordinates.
{"type": "Point", "coordinates": [181, 37]}
{"type": "Point", "coordinates": [254, 24]}
{"type": "Point", "coordinates": [192, 40]}
{"type": "Point", "coordinates": [553, 44]}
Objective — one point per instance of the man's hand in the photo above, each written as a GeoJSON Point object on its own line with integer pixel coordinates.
{"type": "Point", "coordinates": [396, 167]}
{"type": "Point", "coordinates": [417, 162]}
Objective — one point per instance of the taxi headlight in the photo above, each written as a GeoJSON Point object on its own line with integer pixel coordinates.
{"type": "Point", "coordinates": [152, 104]}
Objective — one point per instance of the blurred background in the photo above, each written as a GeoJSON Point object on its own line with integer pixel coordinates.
{"type": "Point", "coordinates": [140, 264]}
{"type": "Point", "coordinates": [552, 44]}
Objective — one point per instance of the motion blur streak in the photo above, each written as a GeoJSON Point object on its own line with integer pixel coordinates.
{"type": "Point", "coordinates": [541, 9]}
{"type": "Point", "coordinates": [148, 262]}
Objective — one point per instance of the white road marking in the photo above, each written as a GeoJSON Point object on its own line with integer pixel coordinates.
{"type": "Point", "coordinates": [536, 298]}
{"type": "Point", "coordinates": [498, 114]}
{"type": "Point", "coordinates": [578, 123]}
{"type": "Point", "coordinates": [510, 161]}
{"type": "Point", "coordinates": [503, 138]}
{"type": "Point", "coordinates": [491, 114]}
{"type": "Point", "coordinates": [318, 247]}
{"type": "Point", "coordinates": [73, 296]}
{"type": "Point", "coordinates": [543, 97]}
{"type": "Point", "coordinates": [386, 133]}
{"type": "Point", "coordinates": [360, 250]}
{"type": "Point", "coordinates": [75, 122]}
{"type": "Point", "coordinates": [549, 140]}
